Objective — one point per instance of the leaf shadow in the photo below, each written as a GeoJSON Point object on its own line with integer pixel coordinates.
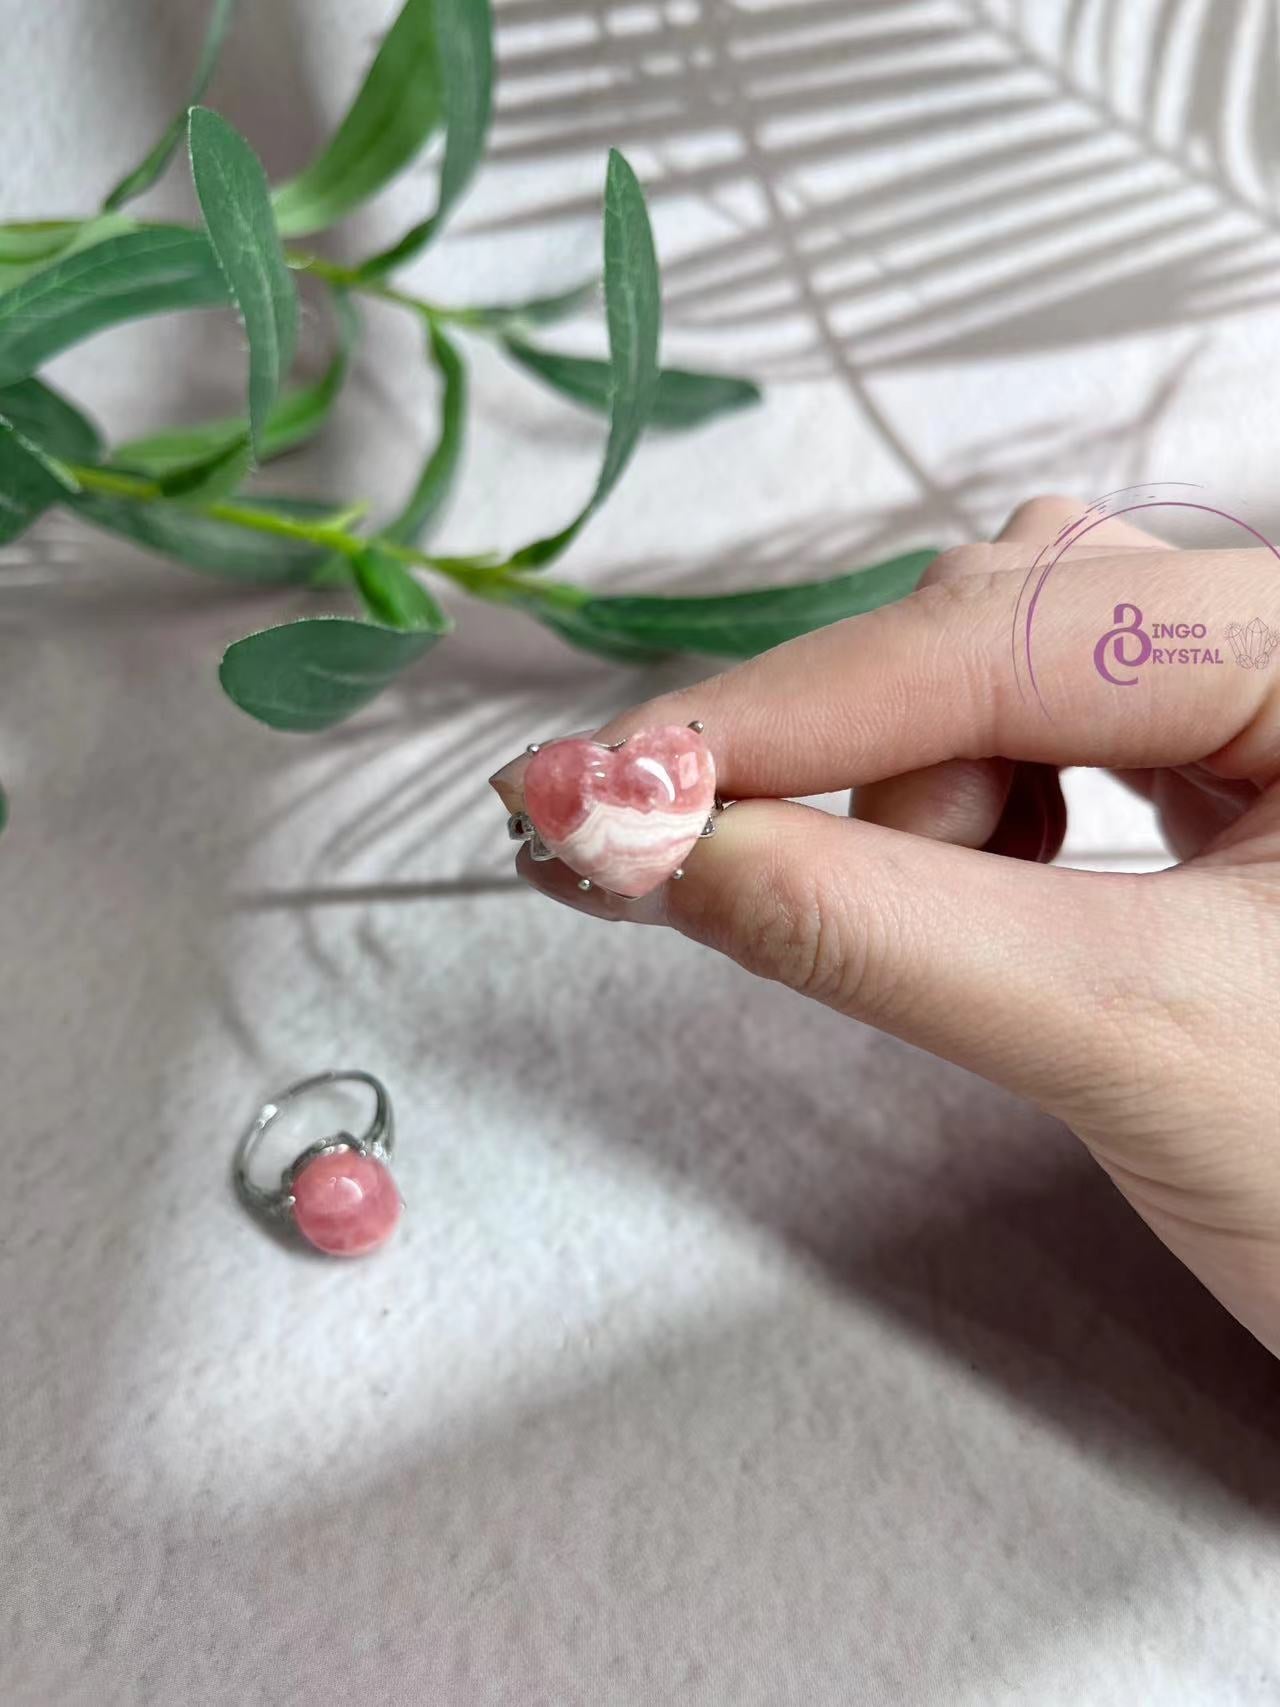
{"type": "Point", "coordinates": [903, 183]}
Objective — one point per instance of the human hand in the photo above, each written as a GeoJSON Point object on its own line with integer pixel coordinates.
{"type": "Point", "coordinates": [1143, 1010]}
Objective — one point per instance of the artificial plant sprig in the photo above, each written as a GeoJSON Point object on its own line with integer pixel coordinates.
{"type": "Point", "coordinates": [178, 490]}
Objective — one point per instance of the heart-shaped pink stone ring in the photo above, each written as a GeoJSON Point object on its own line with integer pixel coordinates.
{"type": "Point", "coordinates": [624, 816]}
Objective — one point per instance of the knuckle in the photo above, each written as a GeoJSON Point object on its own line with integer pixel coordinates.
{"type": "Point", "coordinates": [970, 587]}
{"type": "Point", "coordinates": [793, 923]}
{"type": "Point", "coordinates": [968, 621]}
{"type": "Point", "coordinates": [835, 948]}
{"type": "Point", "coordinates": [799, 943]}
{"type": "Point", "coordinates": [956, 564]}
{"type": "Point", "coordinates": [1045, 513]}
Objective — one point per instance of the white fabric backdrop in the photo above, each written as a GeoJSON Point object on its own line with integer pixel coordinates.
{"type": "Point", "coordinates": [730, 1353]}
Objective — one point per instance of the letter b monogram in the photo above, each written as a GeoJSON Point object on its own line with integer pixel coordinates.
{"type": "Point", "coordinates": [1128, 621]}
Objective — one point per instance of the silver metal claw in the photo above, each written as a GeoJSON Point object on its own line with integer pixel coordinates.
{"type": "Point", "coordinates": [520, 829]}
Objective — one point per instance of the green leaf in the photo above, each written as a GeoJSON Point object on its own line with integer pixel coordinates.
{"type": "Point", "coordinates": [210, 477]}
{"type": "Point", "coordinates": [173, 450]}
{"type": "Point", "coordinates": [464, 48]}
{"type": "Point", "coordinates": [514, 317]}
{"type": "Point", "coordinates": [152, 270]}
{"type": "Point", "coordinates": [234, 198]}
{"type": "Point", "coordinates": [570, 626]}
{"type": "Point", "coordinates": [633, 308]}
{"type": "Point", "coordinates": [299, 414]}
{"type": "Point", "coordinates": [393, 596]}
{"type": "Point", "coordinates": [389, 121]}
{"type": "Point", "coordinates": [149, 169]}
{"type": "Point", "coordinates": [49, 420]}
{"type": "Point", "coordinates": [736, 625]}
{"type": "Point", "coordinates": [212, 546]}
{"type": "Point", "coordinates": [682, 399]}
{"type": "Point", "coordinates": [437, 477]}
{"type": "Point", "coordinates": [24, 240]}
{"type": "Point", "coordinates": [311, 674]}
{"type": "Point", "coordinates": [296, 417]}
{"type": "Point", "coordinates": [30, 482]}
{"type": "Point", "coordinates": [28, 245]}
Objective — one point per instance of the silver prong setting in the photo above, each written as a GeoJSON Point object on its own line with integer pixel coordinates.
{"type": "Point", "coordinates": [520, 828]}
{"type": "Point", "coordinates": [697, 726]}
{"type": "Point", "coordinates": [533, 747]}
{"type": "Point", "coordinates": [584, 883]}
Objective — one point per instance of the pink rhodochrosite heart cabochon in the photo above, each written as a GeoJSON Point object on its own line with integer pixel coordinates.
{"type": "Point", "coordinates": [625, 817]}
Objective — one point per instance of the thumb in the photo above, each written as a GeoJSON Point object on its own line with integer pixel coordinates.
{"type": "Point", "coordinates": [991, 962]}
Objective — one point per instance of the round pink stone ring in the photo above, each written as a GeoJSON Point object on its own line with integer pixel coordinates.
{"type": "Point", "coordinates": [625, 815]}
{"type": "Point", "coordinates": [339, 1193]}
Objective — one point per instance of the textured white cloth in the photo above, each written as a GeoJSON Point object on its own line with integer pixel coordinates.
{"type": "Point", "coordinates": [730, 1353]}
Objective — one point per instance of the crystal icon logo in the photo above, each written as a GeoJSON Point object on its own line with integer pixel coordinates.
{"type": "Point", "coordinates": [1253, 643]}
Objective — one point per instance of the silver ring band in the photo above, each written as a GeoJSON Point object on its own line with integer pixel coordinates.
{"type": "Point", "coordinates": [378, 1139]}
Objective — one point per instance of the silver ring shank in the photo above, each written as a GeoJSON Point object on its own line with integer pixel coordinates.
{"type": "Point", "coordinates": [379, 1135]}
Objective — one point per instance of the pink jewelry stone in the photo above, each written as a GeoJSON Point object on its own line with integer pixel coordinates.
{"type": "Point", "coordinates": [345, 1203]}
{"type": "Point", "coordinates": [624, 817]}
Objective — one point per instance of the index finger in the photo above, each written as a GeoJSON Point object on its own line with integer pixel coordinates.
{"type": "Point", "coordinates": [935, 677]}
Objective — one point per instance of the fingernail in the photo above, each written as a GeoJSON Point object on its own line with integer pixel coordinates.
{"type": "Point", "coordinates": [507, 783]}
{"type": "Point", "coordinates": [505, 774]}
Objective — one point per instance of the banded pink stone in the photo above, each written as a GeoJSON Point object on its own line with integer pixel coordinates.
{"type": "Point", "coordinates": [344, 1203]}
{"type": "Point", "coordinates": [624, 817]}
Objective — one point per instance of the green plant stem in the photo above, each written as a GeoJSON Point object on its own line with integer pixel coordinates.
{"type": "Point", "coordinates": [115, 485]}
{"type": "Point", "coordinates": [481, 579]}
{"type": "Point", "coordinates": [350, 278]}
